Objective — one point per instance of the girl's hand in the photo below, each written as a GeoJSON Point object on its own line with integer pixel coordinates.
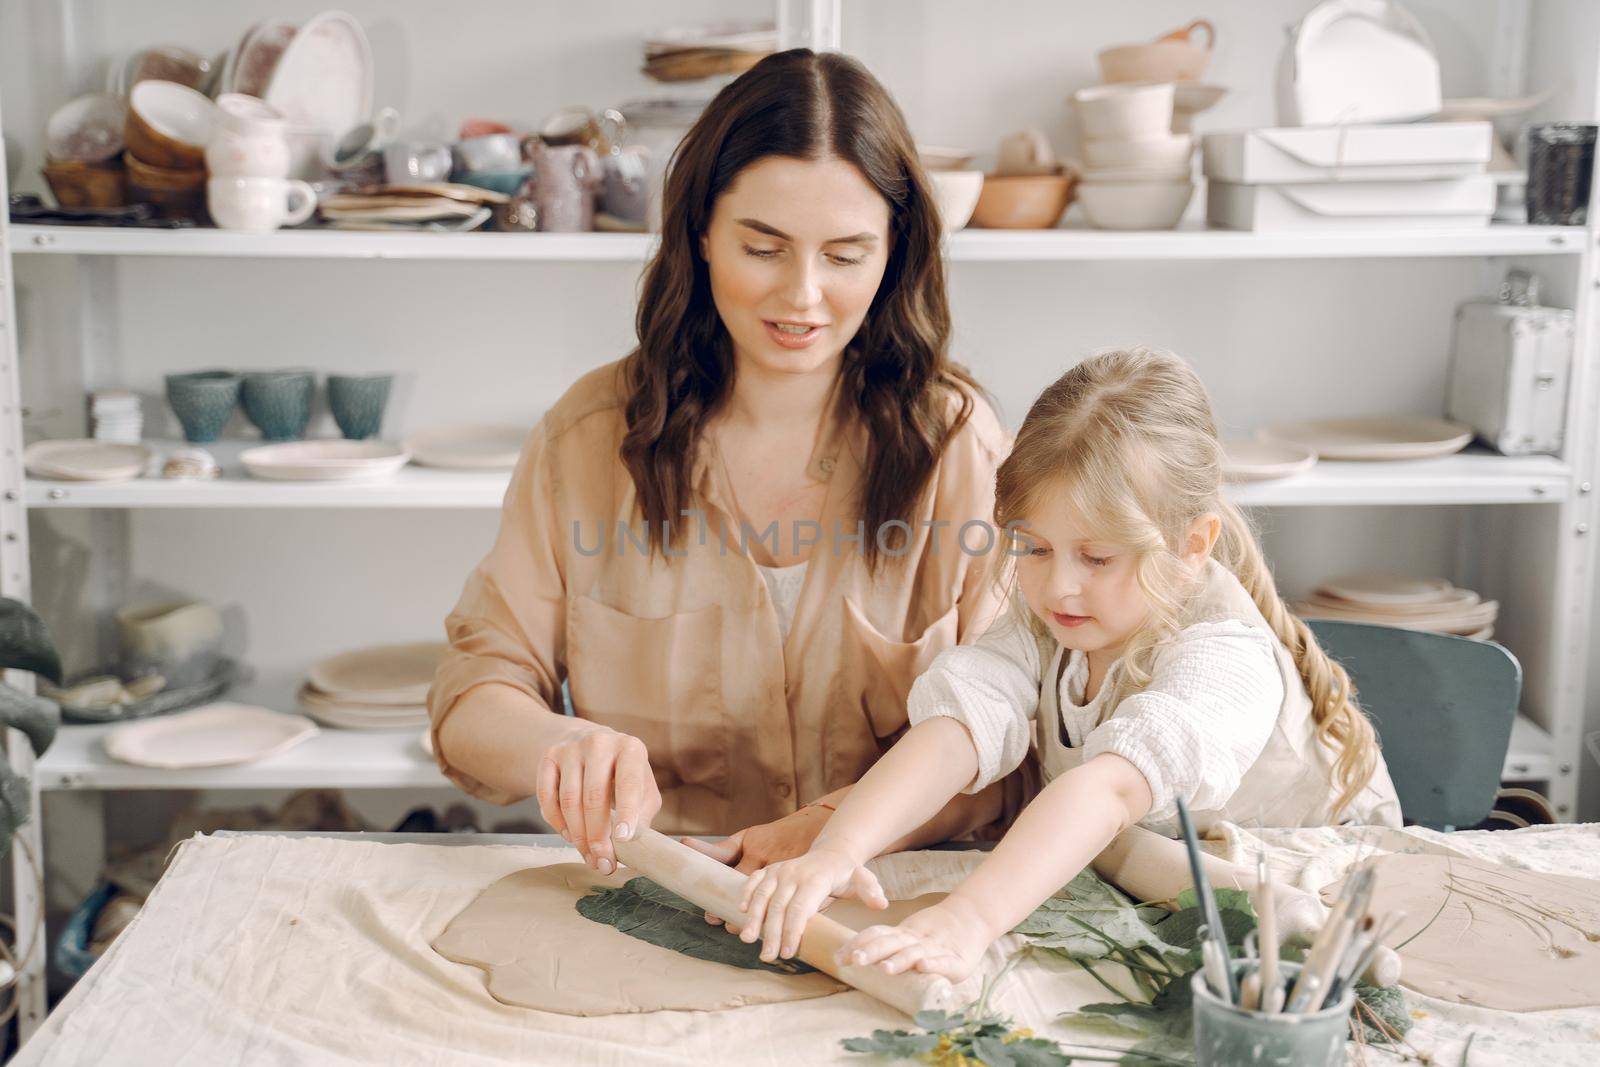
{"type": "Point", "coordinates": [755, 847]}
{"type": "Point", "coordinates": [946, 939]}
{"type": "Point", "coordinates": [583, 778]}
{"type": "Point", "coordinates": [781, 899]}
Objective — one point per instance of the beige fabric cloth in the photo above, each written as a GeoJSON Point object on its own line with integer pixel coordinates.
{"type": "Point", "coordinates": [271, 950]}
{"type": "Point", "coordinates": [1290, 783]}
{"type": "Point", "coordinates": [742, 726]}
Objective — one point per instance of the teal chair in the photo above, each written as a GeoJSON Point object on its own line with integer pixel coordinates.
{"type": "Point", "coordinates": [1443, 708]}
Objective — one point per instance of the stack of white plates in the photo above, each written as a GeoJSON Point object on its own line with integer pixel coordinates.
{"type": "Point", "coordinates": [324, 461]}
{"type": "Point", "coordinates": [117, 416]}
{"type": "Point", "coordinates": [380, 688]}
{"type": "Point", "coordinates": [1410, 603]}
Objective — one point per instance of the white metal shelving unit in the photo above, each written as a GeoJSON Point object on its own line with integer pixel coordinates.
{"type": "Point", "coordinates": [1543, 505]}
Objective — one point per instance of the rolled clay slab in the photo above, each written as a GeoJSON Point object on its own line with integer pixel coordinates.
{"type": "Point", "coordinates": [537, 951]}
{"type": "Point", "coordinates": [1491, 935]}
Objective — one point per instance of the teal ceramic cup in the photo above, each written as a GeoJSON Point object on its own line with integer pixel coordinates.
{"type": "Point", "coordinates": [357, 403]}
{"type": "Point", "coordinates": [278, 402]}
{"type": "Point", "coordinates": [1227, 1036]}
{"type": "Point", "coordinates": [203, 401]}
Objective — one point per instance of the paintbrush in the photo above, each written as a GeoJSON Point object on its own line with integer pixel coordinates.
{"type": "Point", "coordinates": [1328, 949]}
{"type": "Point", "coordinates": [1266, 935]}
{"type": "Point", "coordinates": [1208, 902]}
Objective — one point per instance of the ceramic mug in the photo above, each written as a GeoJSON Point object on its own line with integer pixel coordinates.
{"type": "Point", "coordinates": [362, 142]}
{"type": "Point", "coordinates": [259, 205]}
{"type": "Point", "coordinates": [249, 140]}
{"type": "Point", "coordinates": [565, 181]}
{"type": "Point", "coordinates": [181, 640]}
{"type": "Point", "coordinates": [627, 183]}
{"type": "Point", "coordinates": [406, 163]}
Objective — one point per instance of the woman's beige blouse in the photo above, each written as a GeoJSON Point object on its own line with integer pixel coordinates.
{"type": "Point", "coordinates": [742, 726]}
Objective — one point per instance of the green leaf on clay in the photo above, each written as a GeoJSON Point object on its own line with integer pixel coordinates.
{"type": "Point", "coordinates": [1088, 917]}
{"type": "Point", "coordinates": [640, 908]}
{"type": "Point", "coordinates": [25, 643]}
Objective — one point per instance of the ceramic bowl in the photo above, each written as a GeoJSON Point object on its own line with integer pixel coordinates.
{"type": "Point", "coordinates": [278, 403]}
{"type": "Point", "coordinates": [1146, 205]}
{"type": "Point", "coordinates": [166, 62]}
{"type": "Point", "coordinates": [169, 125]}
{"type": "Point", "coordinates": [1158, 61]}
{"type": "Point", "coordinates": [1124, 112]}
{"type": "Point", "coordinates": [1023, 202]}
{"type": "Point", "coordinates": [1177, 172]}
{"type": "Point", "coordinates": [173, 193]}
{"type": "Point", "coordinates": [1166, 150]}
{"type": "Point", "coordinates": [203, 401]}
{"type": "Point", "coordinates": [357, 403]}
{"type": "Point", "coordinates": [86, 130]}
{"type": "Point", "coordinates": [87, 184]}
{"type": "Point", "coordinates": [498, 181]}
{"type": "Point", "coordinates": [942, 157]}
{"type": "Point", "coordinates": [489, 152]}
{"type": "Point", "coordinates": [958, 192]}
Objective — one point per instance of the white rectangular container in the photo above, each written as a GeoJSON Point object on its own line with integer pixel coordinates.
{"type": "Point", "coordinates": [1416, 151]}
{"type": "Point", "coordinates": [1453, 202]}
{"type": "Point", "coordinates": [1509, 375]}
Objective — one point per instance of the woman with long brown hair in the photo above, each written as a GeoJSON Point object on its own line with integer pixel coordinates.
{"type": "Point", "coordinates": [740, 544]}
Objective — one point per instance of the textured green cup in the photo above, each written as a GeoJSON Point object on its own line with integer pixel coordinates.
{"type": "Point", "coordinates": [357, 403]}
{"type": "Point", "coordinates": [279, 402]}
{"type": "Point", "coordinates": [1227, 1036]}
{"type": "Point", "coordinates": [203, 401]}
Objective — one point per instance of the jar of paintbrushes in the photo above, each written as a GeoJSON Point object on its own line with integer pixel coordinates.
{"type": "Point", "coordinates": [1262, 1009]}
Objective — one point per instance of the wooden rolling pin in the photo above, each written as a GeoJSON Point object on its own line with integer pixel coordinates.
{"type": "Point", "coordinates": [708, 884]}
{"type": "Point", "coordinates": [1147, 866]}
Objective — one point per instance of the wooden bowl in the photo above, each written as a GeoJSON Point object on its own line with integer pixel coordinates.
{"type": "Point", "coordinates": [1023, 202]}
{"type": "Point", "coordinates": [173, 193]}
{"type": "Point", "coordinates": [87, 184]}
{"type": "Point", "coordinates": [169, 125]}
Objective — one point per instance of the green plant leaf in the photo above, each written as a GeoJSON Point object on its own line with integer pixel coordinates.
{"type": "Point", "coordinates": [1089, 918]}
{"type": "Point", "coordinates": [1386, 1003]}
{"type": "Point", "coordinates": [36, 716]}
{"type": "Point", "coordinates": [896, 1043]}
{"type": "Point", "coordinates": [1182, 928]}
{"type": "Point", "coordinates": [25, 643]}
{"type": "Point", "coordinates": [640, 908]}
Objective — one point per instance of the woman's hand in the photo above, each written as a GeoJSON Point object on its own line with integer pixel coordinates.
{"type": "Point", "coordinates": [755, 847]}
{"type": "Point", "coordinates": [583, 778]}
{"type": "Point", "coordinates": [948, 939]}
{"type": "Point", "coordinates": [780, 899]}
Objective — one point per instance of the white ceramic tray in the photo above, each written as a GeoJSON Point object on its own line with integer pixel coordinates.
{"type": "Point", "coordinates": [1380, 437]}
{"type": "Point", "coordinates": [467, 446]}
{"type": "Point", "coordinates": [324, 461]}
{"type": "Point", "coordinates": [215, 735]}
{"type": "Point", "coordinates": [86, 460]}
{"type": "Point", "coordinates": [1261, 461]}
{"type": "Point", "coordinates": [384, 674]}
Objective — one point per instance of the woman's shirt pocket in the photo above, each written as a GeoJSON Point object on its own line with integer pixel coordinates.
{"type": "Point", "coordinates": [658, 679]}
{"type": "Point", "coordinates": [886, 668]}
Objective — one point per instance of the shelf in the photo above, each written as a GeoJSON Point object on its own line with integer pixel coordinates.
{"type": "Point", "coordinates": [1471, 477]}
{"type": "Point", "coordinates": [382, 759]}
{"type": "Point", "coordinates": [1065, 244]}
{"type": "Point", "coordinates": [349, 759]}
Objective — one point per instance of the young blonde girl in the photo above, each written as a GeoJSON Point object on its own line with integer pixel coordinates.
{"type": "Point", "coordinates": [1146, 655]}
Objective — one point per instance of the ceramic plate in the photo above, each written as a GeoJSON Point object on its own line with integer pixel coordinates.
{"type": "Point", "coordinates": [213, 736]}
{"type": "Point", "coordinates": [324, 78]}
{"type": "Point", "coordinates": [1457, 600]}
{"type": "Point", "coordinates": [467, 446]}
{"type": "Point", "coordinates": [1260, 461]}
{"type": "Point", "coordinates": [86, 460]}
{"type": "Point", "coordinates": [312, 697]}
{"type": "Point", "coordinates": [324, 461]}
{"type": "Point", "coordinates": [344, 720]}
{"type": "Point", "coordinates": [382, 671]}
{"type": "Point", "coordinates": [1380, 437]}
{"type": "Point", "coordinates": [1370, 590]}
{"type": "Point", "coordinates": [258, 56]}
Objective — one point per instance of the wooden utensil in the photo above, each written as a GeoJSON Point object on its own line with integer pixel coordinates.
{"type": "Point", "coordinates": [708, 884]}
